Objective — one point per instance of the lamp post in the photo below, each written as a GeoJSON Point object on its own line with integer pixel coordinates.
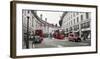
{"type": "Point", "coordinates": [46, 25]}
{"type": "Point", "coordinates": [27, 41]}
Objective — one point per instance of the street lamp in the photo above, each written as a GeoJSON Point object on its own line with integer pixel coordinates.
{"type": "Point", "coordinates": [27, 40]}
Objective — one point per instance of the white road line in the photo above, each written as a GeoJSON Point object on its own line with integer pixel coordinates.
{"type": "Point", "coordinates": [59, 46]}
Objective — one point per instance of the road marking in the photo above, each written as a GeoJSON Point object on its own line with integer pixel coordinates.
{"type": "Point", "coordinates": [59, 46]}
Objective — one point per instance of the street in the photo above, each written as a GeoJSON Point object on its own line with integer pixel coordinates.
{"type": "Point", "coordinates": [59, 33]}
{"type": "Point", "coordinates": [52, 43]}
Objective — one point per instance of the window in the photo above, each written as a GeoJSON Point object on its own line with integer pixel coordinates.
{"type": "Point", "coordinates": [27, 17]}
{"type": "Point", "coordinates": [87, 15]}
{"type": "Point", "coordinates": [67, 29]}
{"type": "Point", "coordinates": [82, 17]}
{"type": "Point", "coordinates": [77, 19]}
{"type": "Point", "coordinates": [77, 13]}
{"type": "Point", "coordinates": [73, 14]}
{"type": "Point", "coordinates": [69, 17]}
{"type": "Point", "coordinates": [77, 26]}
{"type": "Point", "coordinates": [85, 25]}
{"type": "Point", "coordinates": [74, 21]}
{"type": "Point", "coordinates": [71, 29]}
{"type": "Point", "coordinates": [28, 11]}
{"type": "Point", "coordinates": [71, 22]}
{"type": "Point", "coordinates": [68, 24]}
{"type": "Point", "coordinates": [81, 26]}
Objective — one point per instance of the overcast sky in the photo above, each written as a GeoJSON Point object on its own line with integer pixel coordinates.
{"type": "Point", "coordinates": [52, 17]}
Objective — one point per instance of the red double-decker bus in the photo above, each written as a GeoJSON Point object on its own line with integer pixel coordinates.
{"type": "Point", "coordinates": [58, 35]}
{"type": "Point", "coordinates": [38, 36]}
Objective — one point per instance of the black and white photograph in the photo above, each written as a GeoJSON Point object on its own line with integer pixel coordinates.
{"type": "Point", "coordinates": [55, 29]}
{"type": "Point", "coordinates": [51, 29]}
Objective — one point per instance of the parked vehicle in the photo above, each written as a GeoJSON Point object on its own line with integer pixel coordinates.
{"type": "Point", "coordinates": [38, 37]}
{"type": "Point", "coordinates": [73, 37]}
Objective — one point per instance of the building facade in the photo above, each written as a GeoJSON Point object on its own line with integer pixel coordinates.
{"type": "Point", "coordinates": [31, 22]}
{"type": "Point", "coordinates": [78, 22]}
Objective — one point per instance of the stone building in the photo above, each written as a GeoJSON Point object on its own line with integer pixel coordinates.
{"type": "Point", "coordinates": [78, 22]}
{"type": "Point", "coordinates": [32, 22]}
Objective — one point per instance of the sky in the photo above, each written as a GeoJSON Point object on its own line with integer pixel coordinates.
{"type": "Point", "coordinates": [52, 17]}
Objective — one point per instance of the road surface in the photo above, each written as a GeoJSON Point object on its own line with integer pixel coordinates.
{"type": "Point", "coordinates": [51, 43]}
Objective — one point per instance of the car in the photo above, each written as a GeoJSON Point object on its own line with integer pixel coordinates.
{"type": "Point", "coordinates": [73, 37]}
